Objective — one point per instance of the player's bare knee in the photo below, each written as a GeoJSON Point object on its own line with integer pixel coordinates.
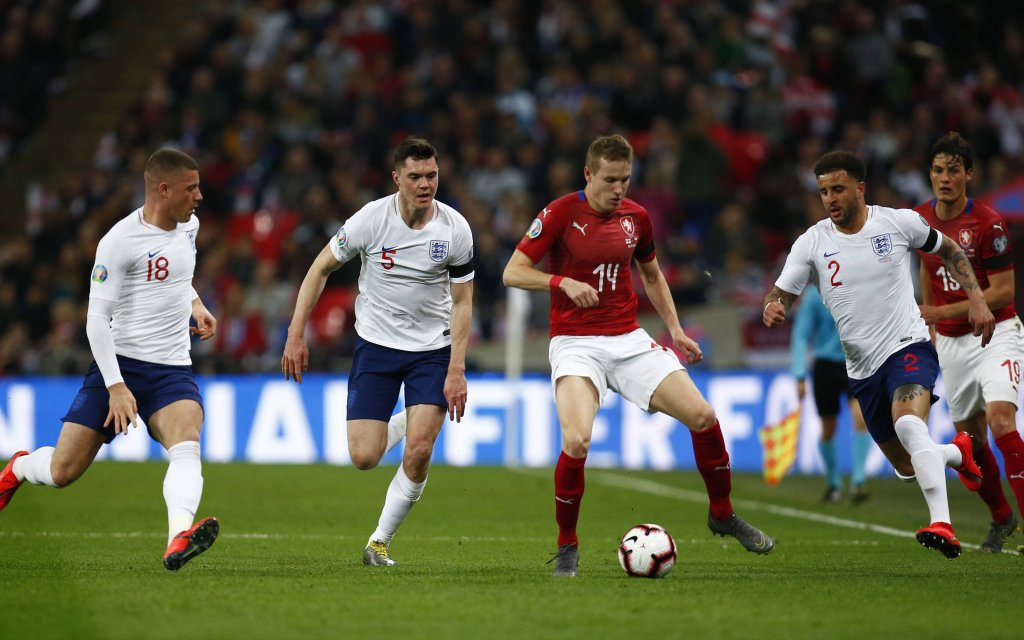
{"type": "Point", "coordinates": [1000, 423]}
{"type": "Point", "coordinates": [418, 452]}
{"type": "Point", "coordinates": [364, 460]}
{"type": "Point", "coordinates": [703, 419]}
{"type": "Point", "coordinates": [64, 474]}
{"type": "Point", "coordinates": [577, 446]}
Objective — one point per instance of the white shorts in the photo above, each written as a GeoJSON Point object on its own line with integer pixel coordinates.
{"type": "Point", "coordinates": [632, 364]}
{"type": "Point", "coordinates": [974, 376]}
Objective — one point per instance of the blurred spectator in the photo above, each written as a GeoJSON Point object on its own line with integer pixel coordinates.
{"type": "Point", "coordinates": [37, 42]}
{"type": "Point", "coordinates": [293, 106]}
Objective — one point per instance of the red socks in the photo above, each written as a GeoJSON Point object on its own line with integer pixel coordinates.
{"type": "Point", "coordinates": [1012, 448]}
{"type": "Point", "coordinates": [991, 490]}
{"type": "Point", "coordinates": [569, 483]}
{"type": "Point", "coordinates": [713, 464]}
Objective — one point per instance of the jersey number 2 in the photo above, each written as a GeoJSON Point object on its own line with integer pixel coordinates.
{"type": "Point", "coordinates": [834, 266]}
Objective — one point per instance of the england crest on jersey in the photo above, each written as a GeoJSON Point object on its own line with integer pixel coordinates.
{"type": "Point", "coordinates": [438, 250]}
{"type": "Point", "coordinates": [881, 245]}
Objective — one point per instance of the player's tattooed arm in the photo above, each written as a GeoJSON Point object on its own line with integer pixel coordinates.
{"type": "Point", "coordinates": [978, 313]}
{"type": "Point", "coordinates": [957, 264]}
{"type": "Point", "coordinates": [785, 298]}
{"type": "Point", "coordinates": [776, 305]}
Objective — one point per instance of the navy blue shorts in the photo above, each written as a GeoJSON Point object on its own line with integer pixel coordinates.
{"type": "Point", "coordinates": [378, 373]}
{"type": "Point", "coordinates": [917, 363]}
{"type": "Point", "coordinates": [154, 386]}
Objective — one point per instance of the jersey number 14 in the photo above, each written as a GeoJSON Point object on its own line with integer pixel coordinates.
{"type": "Point", "coordinates": [607, 271]}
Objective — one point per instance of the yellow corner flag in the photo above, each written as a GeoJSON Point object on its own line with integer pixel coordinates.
{"type": "Point", "coordinates": [778, 446]}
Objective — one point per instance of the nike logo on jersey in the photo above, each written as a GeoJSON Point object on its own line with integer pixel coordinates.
{"type": "Point", "coordinates": [154, 253]}
{"type": "Point", "coordinates": [829, 255]}
{"type": "Point", "coordinates": [582, 229]}
{"type": "Point", "coordinates": [565, 500]}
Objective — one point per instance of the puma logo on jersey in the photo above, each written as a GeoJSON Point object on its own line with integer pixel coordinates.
{"type": "Point", "coordinates": [582, 229]}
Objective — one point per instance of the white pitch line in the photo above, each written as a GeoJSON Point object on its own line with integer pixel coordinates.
{"type": "Point", "coordinates": [601, 476]}
{"type": "Point", "coordinates": [620, 481]}
{"type": "Point", "coordinates": [655, 488]}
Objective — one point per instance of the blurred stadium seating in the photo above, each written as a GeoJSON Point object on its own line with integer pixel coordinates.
{"type": "Point", "coordinates": [291, 107]}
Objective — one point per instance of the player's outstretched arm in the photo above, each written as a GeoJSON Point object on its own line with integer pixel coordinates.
{"type": "Point", "coordinates": [959, 267]}
{"type": "Point", "coordinates": [660, 296]}
{"type": "Point", "coordinates": [999, 293]}
{"type": "Point", "coordinates": [295, 359]}
{"type": "Point", "coordinates": [776, 305]}
{"type": "Point", "coordinates": [521, 274]}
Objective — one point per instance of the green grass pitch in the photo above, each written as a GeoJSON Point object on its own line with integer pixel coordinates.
{"type": "Point", "coordinates": [85, 562]}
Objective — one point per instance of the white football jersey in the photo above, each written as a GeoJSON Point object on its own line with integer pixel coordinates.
{"type": "Point", "coordinates": [147, 273]}
{"type": "Point", "coordinates": [405, 299]}
{"type": "Point", "coordinates": [865, 281]}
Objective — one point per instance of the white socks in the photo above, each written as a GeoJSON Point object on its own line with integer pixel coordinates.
{"type": "Point", "coordinates": [183, 486]}
{"type": "Point", "coordinates": [396, 429]}
{"type": "Point", "coordinates": [929, 460]}
{"type": "Point", "coordinates": [35, 467]}
{"type": "Point", "coordinates": [402, 494]}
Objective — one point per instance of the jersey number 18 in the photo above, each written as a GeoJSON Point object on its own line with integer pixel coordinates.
{"type": "Point", "coordinates": [157, 269]}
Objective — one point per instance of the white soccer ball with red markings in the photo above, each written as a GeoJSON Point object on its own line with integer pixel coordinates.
{"type": "Point", "coordinates": [647, 551]}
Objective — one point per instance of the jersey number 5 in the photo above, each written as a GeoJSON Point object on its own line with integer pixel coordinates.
{"type": "Point", "coordinates": [386, 260]}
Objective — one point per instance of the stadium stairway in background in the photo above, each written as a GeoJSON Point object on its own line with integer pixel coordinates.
{"type": "Point", "coordinates": [100, 89]}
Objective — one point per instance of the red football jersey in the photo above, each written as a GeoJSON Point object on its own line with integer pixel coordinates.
{"type": "Point", "coordinates": [982, 234]}
{"type": "Point", "coordinates": [595, 248]}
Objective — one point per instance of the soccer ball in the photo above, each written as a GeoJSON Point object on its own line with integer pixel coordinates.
{"type": "Point", "coordinates": [647, 551]}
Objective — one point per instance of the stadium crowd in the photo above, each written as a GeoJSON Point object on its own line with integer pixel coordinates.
{"type": "Point", "coordinates": [39, 44]}
{"type": "Point", "coordinates": [292, 106]}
